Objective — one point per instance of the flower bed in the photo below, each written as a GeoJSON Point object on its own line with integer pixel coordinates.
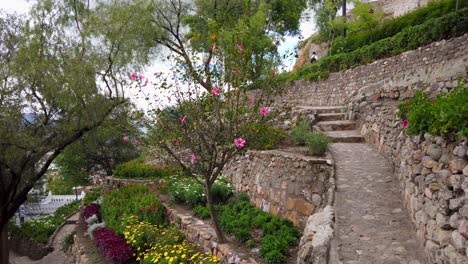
{"type": "Point", "coordinates": [136, 169]}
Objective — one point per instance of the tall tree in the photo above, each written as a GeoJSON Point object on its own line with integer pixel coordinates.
{"type": "Point", "coordinates": [62, 74]}
{"type": "Point", "coordinates": [220, 47]}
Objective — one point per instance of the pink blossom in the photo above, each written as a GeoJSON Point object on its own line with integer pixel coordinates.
{"type": "Point", "coordinates": [215, 90]}
{"type": "Point", "coordinates": [125, 138]}
{"type": "Point", "coordinates": [136, 142]}
{"type": "Point", "coordinates": [264, 111]}
{"type": "Point", "coordinates": [141, 76]}
{"type": "Point", "coordinates": [146, 82]}
{"type": "Point", "coordinates": [184, 119]}
{"type": "Point", "coordinates": [250, 99]}
{"type": "Point", "coordinates": [213, 48]}
{"type": "Point", "coordinates": [133, 76]}
{"type": "Point", "coordinates": [239, 142]}
{"type": "Point", "coordinates": [239, 47]}
{"type": "Point", "coordinates": [273, 74]}
{"type": "Point", "coordinates": [193, 158]}
{"type": "Point", "coordinates": [405, 123]}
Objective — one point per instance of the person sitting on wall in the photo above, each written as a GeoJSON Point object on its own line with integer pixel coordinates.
{"type": "Point", "coordinates": [313, 57]}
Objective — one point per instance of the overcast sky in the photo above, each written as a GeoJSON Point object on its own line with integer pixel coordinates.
{"type": "Point", "coordinates": [307, 27]}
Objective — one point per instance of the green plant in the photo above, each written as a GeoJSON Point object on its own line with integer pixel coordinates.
{"type": "Point", "coordinates": [317, 143]}
{"type": "Point", "coordinates": [263, 136]}
{"type": "Point", "coordinates": [92, 196]}
{"type": "Point", "coordinates": [133, 199]}
{"type": "Point", "coordinates": [188, 191]}
{"type": "Point", "coordinates": [300, 132]}
{"type": "Point", "coordinates": [241, 219]}
{"type": "Point", "coordinates": [136, 169]}
{"type": "Point", "coordinates": [450, 25]}
{"type": "Point", "coordinates": [446, 114]}
{"type": "Point", "coordinates": [201, 211]}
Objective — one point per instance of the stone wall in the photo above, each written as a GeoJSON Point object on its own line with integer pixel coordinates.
{"type": "Point", "coordinates": [286, 184]}
{"type": "Point", "coordinates": [396, 8]}
{"type": "Point", "coordinates": [432, 170]}
{"type": "Point", "coordinates": [437, 63]}
{"type": "Point", "coordinates": [111, 183]}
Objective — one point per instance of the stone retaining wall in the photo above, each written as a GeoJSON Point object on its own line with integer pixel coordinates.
{"type": "Point", "coordinates": [432, 171]}
{"type": "Point", "coordinates": [289, 185]}
{"type": "Point", "coordinates": [115, 183]}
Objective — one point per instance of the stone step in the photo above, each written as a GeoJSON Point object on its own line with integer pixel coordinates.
{"type": "Point", "coordinates": [323, 109]}
{"type": "Point", "coordinates": [331, 116]}
{"type": "Point", "coordinates": [345, 136]}
{"type": "Point", "coordinates": [337, 125]}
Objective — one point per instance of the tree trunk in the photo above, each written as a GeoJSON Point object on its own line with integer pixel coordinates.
{"type": "Point", "coordinates": [214, 216]}
{"type": "Point", "coordinates": [4, 250]}
{"type": "Point", "coordinates": [343, 13]}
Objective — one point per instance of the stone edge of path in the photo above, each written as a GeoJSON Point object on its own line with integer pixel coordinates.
{"type": "Point", "coordinates": [316, 242]}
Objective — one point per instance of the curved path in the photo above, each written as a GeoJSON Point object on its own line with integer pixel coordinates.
{"type": "Point", "coordinates": [372, 226]}
{"type": "Point", "coordinates": [57, 256]}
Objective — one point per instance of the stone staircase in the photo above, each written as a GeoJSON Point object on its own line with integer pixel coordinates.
{"type": "Point", "coordinates": [333, 121]}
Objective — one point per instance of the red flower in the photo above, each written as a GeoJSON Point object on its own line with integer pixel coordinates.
{"type": "Point", "coordinates": [405, 123]}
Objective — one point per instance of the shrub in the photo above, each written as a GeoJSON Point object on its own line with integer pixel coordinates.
{"type": "Point", "coordinates": [132, 199]}
{"type": "Point", "coordinates": [188, 191]}
{"type": "Point", "coordinates": [450, 25]}
{"type": "Point", "coordinates": [317, 143]}
{"type": "Point", "coordinates": [136, 169]}
{"type": "Point", "coordinates": [393, 26]}
{"type": "Point", "coordinates": [299, 133]}
{"type": "Point", "coordinates": [201, 211]}
{"type": "Point", "coordinates": [113, 247]}
{"type": "Point", "coordinates": [90, 210]}
{"type": "Point", "coordinates": [68, 241]}
{"type": "Point", "coordinates": [92, 196]}
{"type": "Point", "coordinates": [446, 114]}
{"type": "Point", "coordinates": [263, 136]}
{"type": "Point", "coordinates": [241, 218]}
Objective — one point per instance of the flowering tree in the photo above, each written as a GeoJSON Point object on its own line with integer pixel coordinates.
{"type": "Point", "coordinates": [227, 45]}
{"type": "Point", "coordinates": [60, 77]}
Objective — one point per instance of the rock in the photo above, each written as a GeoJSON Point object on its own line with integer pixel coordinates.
{"type": "Point", "coordinates": [431, 209]}
{"type": "Point", "coordinates": [434, 151]}
{"type": "Point", "coordinates": [429, 163]}
{"type": "Point", "coordinates": [455, 181]}
{"type": "Point", "coordinates": [455, 151]}
{"type": "Point", "coordinates": [457, 165]}
{"type": "Point", "coordinates": [453, 256]}
{"type": "Point", "coordinates": [463, 228]}
{"type": "Point", "coordinates": [458, 240]}
{"type": "Point", "coordinates": [465, 170]}
{"type": "Point", "coordinates": [455, 220]}
{"type": "Point", "coordinates": [443, 236]}
{"type": "Point", "coordinates": [439, 140]}
{"type": "Point", "coordinates": [444, 176]}
{"type": "Point", "coordinates": [461, 152]}
{"type": "Point", "coordinates": [428, 137]}
{"type": "Point", "coordinates": [443, 221]}
{"type": "Point", "coordinates": [445, 158]}
{"type": "Point", "coordinates": [464, 210]}
{"type": "Point", "coordinates": [421, 217]}
{"type": "Point", "coordinates": [316, 199]}
{"type": "Point", "coordinates": [456, 203]}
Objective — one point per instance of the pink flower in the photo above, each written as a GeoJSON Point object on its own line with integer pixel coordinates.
{"type": "Point", "coordinates": [213, 48]}
{"type": "Point", "coordinates": [136, 142]}
{"type": "Point", "coordinates": [264, 111]}
{"type": "Point", "coordinates": [405, 123]}
{"type": "Point", "coordinates": [239, 47]}
{"type": "Point", "coordinates": [239, 142]}
{"type": "Point", "coordinates": [133, 76]}
{"type": "Point", "coordinates": [250, 99]}
{"type": "Point", "coordinates": [273, 74]}
{"type": "Point", "coordinates": [141, 76]}
{"type": "Point", "coordinates": [146, 82]}
{"type": "Point", "coordinates": [183, 119]}
{"type": "Point", "coordinates": [193, 158]}
{"type": "Point", "coordinates": [125, 138]}
{"type": "Point", "coordinates": [215, 90]}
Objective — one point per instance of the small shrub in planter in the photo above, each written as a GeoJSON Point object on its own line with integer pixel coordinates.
{"type": "Point", "coordinates": [317, 143]}
{"type": "Point", "coordinates": [113, 247]}
{"type": "Point", "coordinates": [300, 132]}
{"type": "Point", "coordinates": [136, 169]}
{"type": "Point", "coordinates": [188, 191]}
{"type": "Point", "coordinates": [90, 210]}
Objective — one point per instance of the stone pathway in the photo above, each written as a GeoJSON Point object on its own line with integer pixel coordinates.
{"type": "Point", "coordinates": [371, 224]}
{"type": "Point", "coordinates": [55, 257]}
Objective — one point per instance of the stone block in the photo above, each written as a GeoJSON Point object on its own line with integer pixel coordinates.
{"type": "Point", "coordinates": [303, 207]}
